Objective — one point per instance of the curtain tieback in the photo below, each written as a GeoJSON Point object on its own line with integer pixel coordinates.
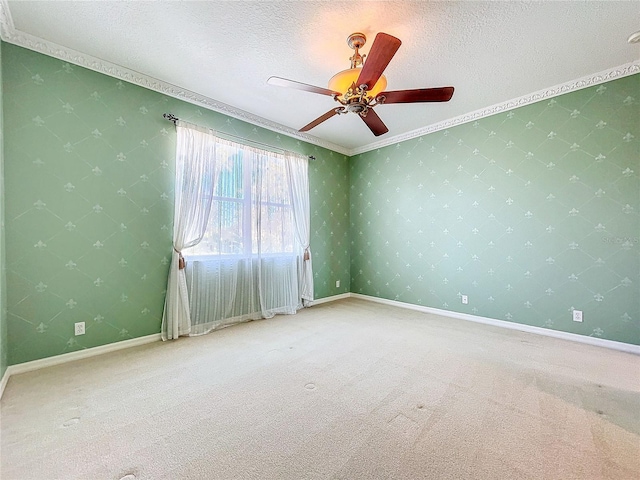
{"type": "Point", "coordinates": [306, 254]}
{"type": "Point", "coordinates": [182, 263]}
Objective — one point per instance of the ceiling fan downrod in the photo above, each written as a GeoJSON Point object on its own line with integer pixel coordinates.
{"type": "Point", "coordinates": [356, 41]}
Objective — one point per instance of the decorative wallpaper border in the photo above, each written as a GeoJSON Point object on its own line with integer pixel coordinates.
{"type": "Point", "coordinates": [6, 22]}
{"type": "Point", "coordinates": [9, 34]}
{"type": "Point", "coordinates": [589, 80]}
{"type": "Point", "coordinates": [594, 79]}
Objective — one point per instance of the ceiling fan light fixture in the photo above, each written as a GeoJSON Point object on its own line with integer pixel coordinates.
{"type": "Point", "coordinates": [344, 86]}
{"type": "Point", "coordinates": [342, 81]}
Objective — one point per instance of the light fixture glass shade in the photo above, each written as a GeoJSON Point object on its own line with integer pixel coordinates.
{"type": "Point", "coordinates": [341, 82]}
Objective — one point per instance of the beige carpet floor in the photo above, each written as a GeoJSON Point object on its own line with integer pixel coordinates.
{"type": "Point", "coordinates": [344, 390]}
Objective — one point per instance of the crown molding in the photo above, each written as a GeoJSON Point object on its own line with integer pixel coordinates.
{"type": "Point", "coordinates": [6, 22]}
{"type": "Point", "coordinates": [584, 82]}
{"type": "Point", "coordinates": [9, 34]}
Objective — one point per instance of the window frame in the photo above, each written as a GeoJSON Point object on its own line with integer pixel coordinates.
{"type": "Point", "coordinates": [247, 219]}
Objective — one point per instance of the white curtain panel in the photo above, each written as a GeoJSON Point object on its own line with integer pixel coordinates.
{"type": "Point", "coordinates": [226, 291]}
{"type": "Point", "coordinates": [194, 180]}
{"type": "Point", "coordinates": [276, 249]}
{"type": "Point", "coordinates": [298, 177]}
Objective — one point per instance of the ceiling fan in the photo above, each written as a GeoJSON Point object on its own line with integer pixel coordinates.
{"type": "Point", "coordinates": [360, 88]}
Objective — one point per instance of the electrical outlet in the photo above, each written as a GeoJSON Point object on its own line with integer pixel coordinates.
{"type": "Point", "coordinates": [79, 328]}
{"type": "Point", "coordinates": [465, 299]}
{"type": "Point", "coordinates": [577, 315]}
{"type": "Point", "coordinates": [337, 283]}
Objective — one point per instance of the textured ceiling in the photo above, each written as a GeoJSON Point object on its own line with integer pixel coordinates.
{"type": "Point", "coordinates": [490, 52]}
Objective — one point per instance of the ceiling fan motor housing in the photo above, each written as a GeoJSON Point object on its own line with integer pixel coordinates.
{"type": "Point", "coordinates": [357, 107]}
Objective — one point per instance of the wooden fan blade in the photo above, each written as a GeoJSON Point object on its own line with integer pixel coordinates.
{"type": "Point", "coordinates": [442, 94]}
{"type": "Point", "coordinates": [319, 120]}
{"type": "Point", "coordinates": [382, 51]}
{"type": "Point", "coordinates": [374, 123]}
{"type": "Point", "coordinates": [283, 82]}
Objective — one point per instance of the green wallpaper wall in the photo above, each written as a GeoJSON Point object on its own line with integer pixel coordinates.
{"type": "Point", "coordinates": [89, 204]}
{"type": "Point", "coordinates": [3, 284]}
{"type": "Point", "coordinates": [530, 213]}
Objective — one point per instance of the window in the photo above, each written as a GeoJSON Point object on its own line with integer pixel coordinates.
{"type": "Point", "coordinates": [243, 216]}
{"type": "Point", "coordinates": [251, 208]}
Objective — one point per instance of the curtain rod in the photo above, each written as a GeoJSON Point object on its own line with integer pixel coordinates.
{"type": "Point", "coordinates": [172, 118]}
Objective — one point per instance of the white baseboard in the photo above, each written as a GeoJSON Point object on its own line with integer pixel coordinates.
{"type": "Point", "coordinates": [573, 337]}
{"type": "Point", "coordinates": [72, 356]}
{"type": "Point", "coordinates": [111, 347]}
{"type": "Point", "coordinates": [3, 382]}
{"type": "Point", "coordinates": [331, 299]}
